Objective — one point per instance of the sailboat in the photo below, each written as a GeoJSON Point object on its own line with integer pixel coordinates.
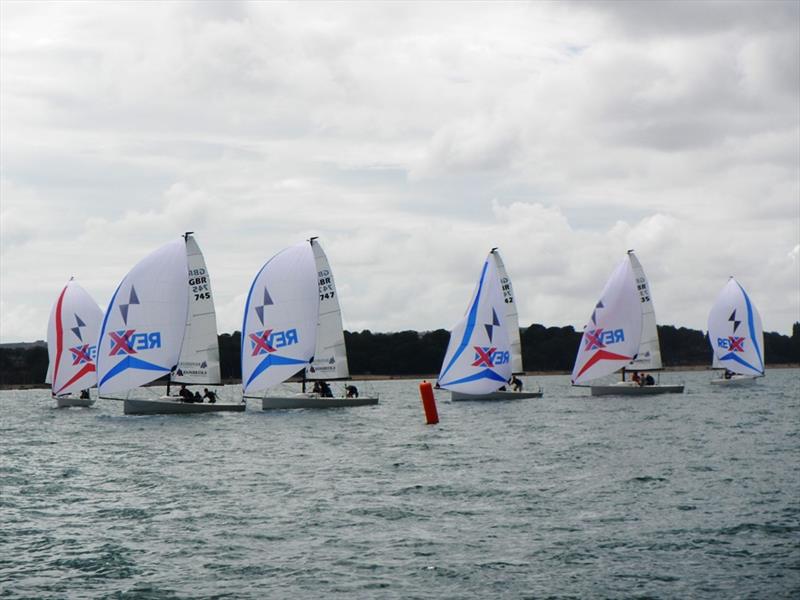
{"type": "Point", "coordinates": [158, 320]}
{"type": "Point", "coordinates": [71, 346]}
{"type": "Point", "coordinates": [512, 328]}
{"type": "Point", "coordinates": [622, 334]}
{"type": "Point", "coordinates": [293, 323]}
{"type": "Point", "coordinates": [478, 358]}
{"type": "Point", "coordinates": [736, 336]}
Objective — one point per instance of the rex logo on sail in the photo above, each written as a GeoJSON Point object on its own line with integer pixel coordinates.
{"type": "Point", "coordinates": [490, 357]}
{"type": "Point", "coordinates": [732, 343]}
{"type": "Point", "coordinates": [124, 342]}
{"type": "Point", "coordinates": [268, 340]}
{"type": "Point", "coordinates": [600, 338]}
{"type": "Point", "coordinates": [83, 354]}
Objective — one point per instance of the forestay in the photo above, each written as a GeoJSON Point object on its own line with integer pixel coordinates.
{"type": "Point", "coordinates": [199, 359]}
{"type": "Point", "coordinates": [72, 340]}
{"type": "Point", "coordinates": [511, 315]}
{"type": "Point", "coordinates": [735, 333]}
{"type": "Point", "coordinates": [611, 337]}
{"type": "Point", "coordinates": [140, 339]}
{"type": "Point", "coordinates": [478, 357]}
{"type": "Point", "coordinates": [648, 356]}
{"type": "Point", "coordinates": [280, 319]}
{"type": "Point", "coordinates": [330, 354]}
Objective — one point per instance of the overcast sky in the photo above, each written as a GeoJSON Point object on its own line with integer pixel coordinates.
{"type": "Point", "coordinates": [411, 138]}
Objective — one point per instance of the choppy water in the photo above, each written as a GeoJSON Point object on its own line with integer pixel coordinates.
{"type": "Point", "coordinates": [682, 496]}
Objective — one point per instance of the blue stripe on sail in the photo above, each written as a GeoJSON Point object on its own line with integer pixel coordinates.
{"type": "Point", "coordinates": [247, 306]}
{"type": "Point", "coordinates": [485, 374]}
{"type": "Point", "coordinates": [273, 361]}
{"type": "Point", "coordinates": [473, 311]}
{"type": "Point", "coordinates": [752, 328]}
{"type": "Point", "coordinates": [103, 328]}
{"type": "Point", "coordinates": [131, 362]}
{"type": "Point", "coordinates": [736, 358]}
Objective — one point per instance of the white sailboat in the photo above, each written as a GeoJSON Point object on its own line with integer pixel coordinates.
{"type": "Point", "coordinates": [736, 336]}
{"type": "Point", "coordinates": [293, 322]}
{"type": "Point", "coordinates": [512, 327]}
{"type": "Point", "coordinates": [478, 358]}
{"type": "Point", "coordinates": [71, 346]}
{"type": "Point", "coordinates": [154, 313]}
{"type": "Point", "coordinates": [622, 334]}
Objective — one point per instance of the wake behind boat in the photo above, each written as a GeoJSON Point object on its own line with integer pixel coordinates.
{"type": "Point", "coordinates": [622, 333]}
{"type": "Point", "coordinates": [736, 337]}
{"type": "Point", "coordinates": [293, 322]}
{"type": "Point", "coordinates": [161, 317]}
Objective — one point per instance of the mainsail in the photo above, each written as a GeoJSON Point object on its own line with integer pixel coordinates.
{"type": "Point", "coordinates": [735, 333]}
{"type": "Point", "coordinates": [611, 337]}
{"type": "Point", "coordinates": [648, 357]}
{"type": "Point", "coordinates": [280, 319]}
{"type": "Point", "coordinates": [199, 360]}
{"type": "Point", "coordinates": [72, 340]}
{"type": "Point", "coordinates": [330, 354]}
{"type": "Point", "coordinates": [478, 357]}
{"type": "Point", "coordinates": [511, 315]}
{"type": "Point", "coordinates": [142, 332]}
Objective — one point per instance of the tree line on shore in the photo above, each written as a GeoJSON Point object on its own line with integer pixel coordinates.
{"type": "Point", "coordinates": [547, 349]}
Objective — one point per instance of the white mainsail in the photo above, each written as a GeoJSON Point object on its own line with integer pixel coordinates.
{"type": "Point", "coordinates": [735, 332]}
{"type": "Point", "coordinates": [611, 337]}
{"type": "Point", "coordinates": [280, 319]}
{"type": "Point", "coordinates": [648, 357]}
{"type": "Point", "coordinates": [72, 340]}
{"type": "Point", "coordinates": [478, 357]}
{"type": "Point", "coordinates": [511, 315]}
{"type": "Point", "coordinates": [199, 360]}
{"type": "Point", "coordinates": [330, 355]}
{"type": "Point", "coordinates": [142, 332]}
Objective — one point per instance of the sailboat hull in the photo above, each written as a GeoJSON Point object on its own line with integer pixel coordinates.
{"type": "Point", "coordinates": [635, 390]}
{"type": "Point", "coordinates": [167, 406]}
{"type": "Point", "coordinates": [735, 380]}
{"type": "Point", "coordinates": [70, 402]}
{"type": "Point", "coordinates": [314, 401]}
{"type": "Point", "coordinates": [498, 395]}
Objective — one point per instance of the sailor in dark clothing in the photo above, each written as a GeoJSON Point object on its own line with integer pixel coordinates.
{"type": "Point", "coordinates": [84, 394]}
{"type": "Point", "coordinates": [212, 397]}
{"type": "Point", "coordinates": [185, 394]}
{"type": "Point", "coordinates": [516, 383]}
{"type": "Point", "coordinates": [351, 391]}
{"type": "Point", "coordinates": [325, 390]}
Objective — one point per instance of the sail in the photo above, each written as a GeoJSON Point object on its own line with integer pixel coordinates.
{"type": "Point", "coordinates": [330, 355]}
{"type": "Point", "coordinates": [735, 333]}
{"type": "Point", "coordinates": [280, 319]}
{"type": "Point", "coordinates": [648, 357]}
{"type": "Point", "coordinates": [611, 337]}
{"type": "Point", "coordinates": [511, 316]}
{"type": "Point", "coordinates": [199, 360]}
{"type": "Point", "coordinates": [72, 340]}
{"type": "Point", "coordinates": [140, 339]}
{"type": "Point", "coordinates": [478, 357]}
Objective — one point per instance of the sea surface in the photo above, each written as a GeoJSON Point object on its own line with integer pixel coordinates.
{"type": "Point", "coordinates": [678, 496]}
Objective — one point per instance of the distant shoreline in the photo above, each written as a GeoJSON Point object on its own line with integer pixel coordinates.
{"type": "Point", "coordinates": [428, 377]}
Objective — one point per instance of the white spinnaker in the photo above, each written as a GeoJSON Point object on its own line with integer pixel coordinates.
{"type": "Point", "coordinates": [72, 340]}
{"type": "Point", "coordinates": [280, 319]}
{"type": "Point", "coordinates": [648, 357]}
{"type": "Point", "coordinates": [330, 355]}
{"type": "Point", "coordinates": [611, 337]}
{"type": "Point", "coordinates": [199, 360]}
{"type": "Point", "coordinates": [511, 315]}
{"type": "Point", "coordinates": [735, 332]}
{"type": "Point", "coordinates": [142, 332]}
{"type": "Point", "coordinates": [478, 357]}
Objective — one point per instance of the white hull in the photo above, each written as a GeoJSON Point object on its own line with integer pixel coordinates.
{"type": "Point", "coordinates": [498, 395]}
{"type": "Point", "coordinates": [634, 389]}
{"type": "Point", "coordinates": [314, 401]}
{"type": "Point", "coordinates": [735, 380]}
{"type": "Point", "coordinates": [168, 406]}
{"type": "Point", "coordinates": [71, 402]}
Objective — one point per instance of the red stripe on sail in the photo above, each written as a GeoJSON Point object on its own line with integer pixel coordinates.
{"type": "Point", "coordinates": [87, 368]}
{"type": "Point", "coordinates": [597, 357]}
{"type": "Point", "coordinates": [59, 336]}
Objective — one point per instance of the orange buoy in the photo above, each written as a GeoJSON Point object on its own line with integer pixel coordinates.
{"type": "Point", "coordinates": [428, 403]}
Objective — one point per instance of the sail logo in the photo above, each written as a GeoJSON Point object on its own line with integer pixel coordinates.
{"type": "Point", "coordinates": [600, 338]}
{"type": "Point", "coordinates": [268, 340]}
{"type": "Point", "coordinates": [490, 357]}
{"type": "Point", "coordinates": [83, 354]}
{"type": "Point", "coordinates": [733, 344]}
{"type": "Point", "coordinates": [125, 342]}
